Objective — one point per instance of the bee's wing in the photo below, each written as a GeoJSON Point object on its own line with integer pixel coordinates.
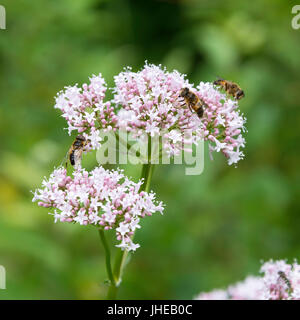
{"type": "Point", "coordinates": [65, 160]}
{"type": "Point", "coordinates": [77, 157]}
{"type": "Point", "coordinates": [217, 79]}
{"type": "Point", "coordinates": [234, 86]}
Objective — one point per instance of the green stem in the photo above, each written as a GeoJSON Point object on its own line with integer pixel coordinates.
{"type": "Point", "coordinates": [107, 258]}
{"type": "Point", "coordinates": [147, 172]}
{"type": "Point", "coordinates": [125, 143]}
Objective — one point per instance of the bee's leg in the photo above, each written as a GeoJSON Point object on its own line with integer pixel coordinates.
{"type": "Point", "coordinates": [184, 104]}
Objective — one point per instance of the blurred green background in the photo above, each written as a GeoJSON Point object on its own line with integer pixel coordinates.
{"type": "Point", "coordinates": [217, 226]}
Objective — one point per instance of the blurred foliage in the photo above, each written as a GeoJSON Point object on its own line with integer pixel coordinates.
{"type": "Point", "coordinates": [217, 226]}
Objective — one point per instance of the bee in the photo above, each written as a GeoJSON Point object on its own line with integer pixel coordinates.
{"type": "Point", "coordinates": [76, 149]}
{"type": "Point", "coordinates": [193, 101]}
{"type": "Point", "coordinates": [231, 88]}
{"type": "Point", "coordinates": [285, 279]}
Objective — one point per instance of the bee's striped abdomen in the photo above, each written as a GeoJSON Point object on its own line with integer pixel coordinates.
{"type": "Point", "coordinates": [72, 158]}
{"type": "Point", "coordinates": [200, 112]}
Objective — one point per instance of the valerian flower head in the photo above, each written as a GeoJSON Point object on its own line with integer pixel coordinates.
{"type": "Point", "coordinates": [222, 123]}
{"type": "Point", "coordinates": [85, 111]}
{"type": "Point", "coordinates": [280, 281]}
{"type": "Point", "coordinates": [150, 103]}
{"type": "Point", "coordinates": [106, 199]}
{"type": "Point", "coordinates": [249, 289]}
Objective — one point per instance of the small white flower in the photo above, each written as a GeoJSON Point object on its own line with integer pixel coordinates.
{"type": "Point", "coordinates": [123, 228]}
{"type": "Point", "coordinates": [81, 217]}
{"type": "Point", "coordinates": [175, 136]}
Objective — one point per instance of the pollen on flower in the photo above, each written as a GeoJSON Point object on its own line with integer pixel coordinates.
{"type": "Point", "coordinates": [106, 199]}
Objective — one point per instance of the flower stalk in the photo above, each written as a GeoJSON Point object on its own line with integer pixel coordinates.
{"type": "Point", "coordinates": [121, 257]}
{"type": "Point", "coordinates": [107, 257]}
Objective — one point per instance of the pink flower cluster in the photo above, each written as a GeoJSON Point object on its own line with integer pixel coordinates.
{"type": "Point", "coordinates": [150, 104]}
{"type": "Point", "coordinates": [106, 199]}
{"type": "Point", "coordinates": [222, 123]}
{"type": "Point", "coordinates": [85, 110]}
{"type": "Point", "coordinates": [280, 281]}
